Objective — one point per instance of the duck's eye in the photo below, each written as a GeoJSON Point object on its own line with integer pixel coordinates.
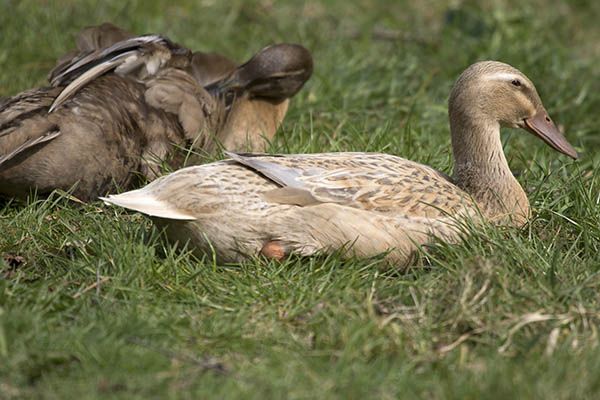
{"type": "Point", "coordinates": [516, 82]}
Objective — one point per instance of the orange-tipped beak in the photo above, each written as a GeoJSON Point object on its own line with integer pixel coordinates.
{"type": "Point", "coordinates": [542, 126]}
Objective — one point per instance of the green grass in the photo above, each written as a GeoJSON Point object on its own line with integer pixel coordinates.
{"type": "Point", "coordinates": [93, 304]}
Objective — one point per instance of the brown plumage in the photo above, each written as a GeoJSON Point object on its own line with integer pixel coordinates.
{"type": "Point", "coordinates": [371, 203]}
{"type": "Point", "coordinates": [121, 106]}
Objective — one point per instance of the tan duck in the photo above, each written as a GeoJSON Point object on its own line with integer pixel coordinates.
{"type": "Point", "coordinates": [121, 106]}
{"type": "Point", "coordinates": [371, 203]}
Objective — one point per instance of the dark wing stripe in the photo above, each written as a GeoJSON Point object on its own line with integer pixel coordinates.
{"type": "Point", "coordinates": [25, 105]}
{"type": "Point", "coordinates": [88, 76]}
{"type": "Point", "coordinates": [279, 174]}
{"type": "Point", "coordinates": [89, 67]}
{"type": "Point", "coordinates": [89, 60]}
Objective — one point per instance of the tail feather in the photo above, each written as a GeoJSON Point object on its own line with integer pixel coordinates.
{"type": "Point", "coordinates": [141, 201]}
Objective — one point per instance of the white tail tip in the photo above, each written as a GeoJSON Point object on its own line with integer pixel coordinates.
{"type": "Point", "coordinates": [138, 201]}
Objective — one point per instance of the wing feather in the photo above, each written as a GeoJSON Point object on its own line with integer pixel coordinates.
{"type": "Point", "coordinates": [88, 60]}
{"type": "Point", "coordinates": [279, 174]}
{"type": "Point", "coordinates": [86, 78]}
{"type": "Point", "coordinates": [377, 182]}
{"type": "Point", "coordinates": [123, 57]}
{"type": "Point", "coordinates": [46, 137]}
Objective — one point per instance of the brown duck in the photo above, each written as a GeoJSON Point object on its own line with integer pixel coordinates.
{"type": "Point", "coordinates": [121, 106]}
{"type": "Point", "coordinates": [371, 203]}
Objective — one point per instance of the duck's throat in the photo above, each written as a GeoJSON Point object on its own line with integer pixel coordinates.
{"type": "Point", "coordinates": [482, 171]}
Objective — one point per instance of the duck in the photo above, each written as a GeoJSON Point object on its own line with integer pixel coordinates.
{"type": "Point", "coordinates": [358, 204]}
{"type": "Point", "coordinates": [121, 107]}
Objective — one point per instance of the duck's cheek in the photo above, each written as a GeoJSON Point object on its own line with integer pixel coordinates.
{"type": "Point", "coordinates": [513, 122]}
{"type": "Point", "coordinates": [505, 123]}
{"type": "Point", "coordinates": [516, 125]}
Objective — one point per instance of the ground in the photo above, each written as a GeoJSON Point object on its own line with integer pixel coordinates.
{"type": "Point", "coordinates": [93, 304]}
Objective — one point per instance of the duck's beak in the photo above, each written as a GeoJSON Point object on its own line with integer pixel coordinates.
{"type": "Point", "coordinates": [542, 126]}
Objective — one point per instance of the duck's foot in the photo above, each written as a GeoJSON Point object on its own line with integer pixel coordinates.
{"type": "Point", "coordinates": [274, 249]}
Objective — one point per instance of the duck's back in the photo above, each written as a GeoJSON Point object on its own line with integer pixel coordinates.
{"type": "Point", "coordinates": [376, 182]}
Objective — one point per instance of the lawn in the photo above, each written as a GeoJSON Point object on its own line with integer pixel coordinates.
{"type": "Point", "coordinates": [93, 304]}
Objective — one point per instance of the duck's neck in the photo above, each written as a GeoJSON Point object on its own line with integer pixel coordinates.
{"type": "Point", "coordinates": [482, 171]}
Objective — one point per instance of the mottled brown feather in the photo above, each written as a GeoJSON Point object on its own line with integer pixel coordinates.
{"type": "Point", "coordinates": [122, 122]}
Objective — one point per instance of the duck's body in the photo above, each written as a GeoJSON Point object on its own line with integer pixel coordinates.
{"type": "Point", "coordinates": [305, 203]}
{"type": "Point", "coordinates": [113, 143]}
{"type": "Point", "coordinates": [123, 106]}
{"type": "Point", "coordinates": [373, 203]}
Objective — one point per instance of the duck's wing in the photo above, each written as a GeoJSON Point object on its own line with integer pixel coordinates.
{"type": "Point", "coordinates": [23, 122]}
{"type": "Point", "coordinates": [142, 55]}
{"type": "Point", "coordinates": [44, 133]}
{"type": "Point", "coordinates": [368, 181]}
{"type": "Point", "coordinates": [13, 109]}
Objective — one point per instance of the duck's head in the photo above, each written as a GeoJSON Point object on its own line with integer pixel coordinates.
{"type": "Point", "coordinates": [276, 72]}
{"type": "Point", "coordinates": [494, 92]}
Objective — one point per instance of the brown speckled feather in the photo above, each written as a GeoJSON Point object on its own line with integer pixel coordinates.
{"type": "Point", "coordinates": [377, 182]}
{"type": "Point", "coordinates": [101, 144]}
